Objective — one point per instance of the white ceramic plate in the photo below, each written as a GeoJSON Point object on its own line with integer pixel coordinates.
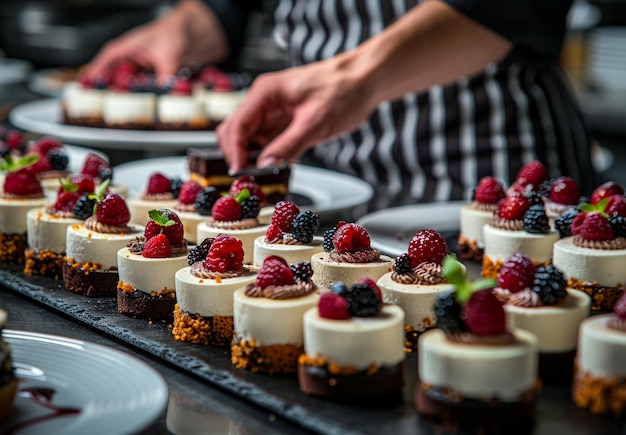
{"type": "Point", "coordinates": [43, 116]}
{"type": "Point", "coordinates": [114, 392]}
{"type": "Point", "coordinates": [329, 191]}
{"type": "Point", "coordinates": [392, 229]}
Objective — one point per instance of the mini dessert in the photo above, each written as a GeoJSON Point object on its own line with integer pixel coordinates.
{"type": "Point", "coordinates": [82, 102]}
{"type": "Point", "coordinates": [348, 257]}
{"type": "Point", "coordinates": [268, 317]}
{"type": "Point", "coordinates": [178, 109]}
{"type": "Point", "coordinates": [536, 300]}
{"type": "Point", "coordinates": [47, 228]}
{"type": "Point", "coordinates": [353, 345]}
{"type": "Point", "coordinates": [606, 189]}
{"type": "Point", "coordinates": [204, 291]}
{"type": "Point", "coordinates": [475, 216]}
{"type": "Point", "coordinates": [52, 165]}
{"type": "Point", "coordinates": [593, 258]}
{"type": "Point", "coordinates": [600, 373]}
{"type": "Point", "coordinates": [531, 178]}
{"type": "Point", "coordinates": [90, 266]}
{"type": "Point", "coordinates": [221, 93]}
{"type": "Point", "coordinates": [159, 193]}
{"type": "Point", "coordinates": [21, 192]}
{"type": "Point", "coordinates": [194, 206]}
{"type": "Point", "coordinates": [208, 167]}
{"type": "Point", "coordinates": [473, 371]}
{"type": "Point", "coordinates": [8, 380]}
{"type": "Point", "coordinates": [416, 280]}
{"type": "Point", "coordinates": [130, 102]}
{"type": "Point", "coordinates": [236, 216]}
{"type": "Point", "coordinates": [147, 268]}
{"type": "Point", "coordinates": [98, 167]}
{"type": "Point", "coordinates": [291, 235]}
{"type": "Point", "coordinates": [519, 225]}
{"type": "Point", "coordinates": [563, 194]}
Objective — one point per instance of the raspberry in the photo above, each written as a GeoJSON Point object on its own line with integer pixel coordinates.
{"type": "Point", "coordinates": [66, 201]}
{"type": "Point", "coordinates": [14, 139]}
{"type": "Point", "coordinates": [158, 183]}
{"type": "Point", "coordinates": [333, 306]}
{"type": "Point", "coordinates": [92, 164]}
{"type": "Point", "coordinates": [225, 254]}
{"type": "Point", "coordinates": [175, 184]}
{"type": "Point", "coordinates": [83, 209]}
{"type": "Point", "coordinates": [251, 207]}
{"type": "Point", "coordinates": [484, 314]}
{"type": "Point", "coordinates": [112, 210]}
{"type": "Point", "coordinates": [564, 222]}
{"type": "Point", "coordinates": [58, 159]}
{"type": "Point", "coordinates": [620, 307]}
{"type": "Point", "coordinates": [226, 209]}
{"type": "Point", "coordinates": [45, 144]}
{"type": "Point", "coordinates": [565, 190]}
{"type": "Point", "coordinates": [351, 238]}
{"type": "Point", "coordinates": [273, 234]}
{"type": "Point", "coordinates": [549, 284]}
{"type": "Point", "coordinates": [188, 192]}
{"type": "Point", "coordinates": [532, 174]}
{"type": "Point", "coordinates": [595, 227]}
{"type": "Point", "coordinates": [517, 273]}
{"type": "Point", "coordinates": [247, 182]}
{"type": "Point", "coordinates": [167, 222]}
{"type": "Point", "coordinates": [427, 245]}
{"type": "Point", "coordinates": [205, 200]}
{"type": "Point", "coordinates": [22, 182]}
{"type": "Point", "coordinates": [616, 205]}
{"type": "Point", "coordinates": [304, 226]}
{"type": "Point", "coordinates": [513, 207]}
{"type": "Point", "coordinates": [284, 214]}
{"type": "Point", "coordinates": [489, 191]}
{"type": "Point", "coordinates": [448, 313]}
{"type": "Point", "coordinates": [81, 183]}
{"type": "Point", "coordinates": [577, 223]}
{"type": "Point", "coordinates": [536, 220]}
{"type": "Point", "coordinates": [274, 271]}
{"type": "Point", "coordinates": [199, 252]}
{"type": "Point", "coordinates": [328, 239]}
{"type": "Point", "coordinates": [363, 300]}
{"type": "Point", "coordinates": [618, 224]}
{"type": "Point", "coordinates": [403, 264]}
{"type": "Point", "coordinates": [605, 190]}
{"type": "Point", "coordinates": [157, 247]}
{"type": "Point", "coordinates": [303, 271]}
{"type": "Point", "coordinates": [41, 165]}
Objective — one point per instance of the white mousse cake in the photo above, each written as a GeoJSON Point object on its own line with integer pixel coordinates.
{"type": "Point", "coordinates": [82, 105]}
{"type": "Point", "coordinates": [130, 110]}
{"type": "Point", "coordinates": [293, 253]}
{"type": "Point", "coordinates": [13, 228]}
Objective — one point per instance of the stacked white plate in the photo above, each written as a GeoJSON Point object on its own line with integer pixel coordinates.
{"type": "Point", "coordinates": [606, 58]}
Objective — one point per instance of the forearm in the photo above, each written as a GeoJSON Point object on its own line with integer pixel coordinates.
{"type": "Point", "coordinates": [432, 44]}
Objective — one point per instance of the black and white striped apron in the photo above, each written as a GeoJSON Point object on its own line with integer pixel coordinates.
{"type": "Point", "coordinates": [436, 145]}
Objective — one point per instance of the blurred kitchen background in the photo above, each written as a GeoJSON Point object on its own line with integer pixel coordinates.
{"type": "Point", "coordinates": [46, 35]}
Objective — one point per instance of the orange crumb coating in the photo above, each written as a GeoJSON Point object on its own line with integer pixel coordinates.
{"type": "Point", "coordinates": [86, 266]}
{"type": "Point", "coordinates": [491, 268]}
{"type": "Point", "coordinates": [411, 334]}
{"type": "Point", "coordinates": [128, 288]}
{"type": "Point", "coordinates": [602, 298]}
{"type": "Point", "coordinates": [468, 249]}
{"type": "Point", "coordinates": [44, 263]}
{"type": "Point", "coordinates": [193, 328]}
{"type": "Point", "coordinates": [12, 247]}
{"type": "Point", "coordinates": [333, 368]}
{"type": "Point", "coordinates": [276, 359]}
{"type": "Point", "coordinates": [598, 394]}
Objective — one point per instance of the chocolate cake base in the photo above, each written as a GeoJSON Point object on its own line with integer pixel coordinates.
{"type": "Point", "coordinates": [317, 381]}
{"type": "Point", "coordinates": [184, 126]}
{"type": "Point", "coordinates": [474, 415]}
{"type": "Point", "coordinates": [469, 250]}
{"type": "Point", "coordinates": [12, 247]}
{"type": "Point", "coordinates": [91, 283]}
{"type": "Point", "coordinates": [44, 263]}
{"type": "Point", "coordinates": [556, 368]}
{"type": "Point", "coordinates": [144, 306]}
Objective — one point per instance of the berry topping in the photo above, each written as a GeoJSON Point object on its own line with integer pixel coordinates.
{"type": "Point", "coordinates": [333, 306]}
{"type": "Point", "coordinates": [304, 226]}
{"type": "Point", "coordinates": [448, 313]}
{"type": "Point", "coordinates": [225, 254]}
{"type": "Point", "coordinates": [351, 238]}
{"type": "Point", "coordinates": [273, 234]}
{"type": "Point", "coordinates": [427, 246]}
{"type": "Point", "coordinates": [618, 224]}
{"type": "Point", "coordinates": [41, 165]}
{"type": "Point", "coordinates": [45, 144]}
{"type": "Point", "coordinates": [303, 271]}
{"type": "Point", "coordinates": [484, 314]}
{"type": "Point", "coordinates": [284, 214]}
{"type": "Point", "coordinates": [339, 288]}
{"type": "Point", "coordinates": [616, 205]}
{"type": "Point", "coordinates": [83, 209]}
{"type": "Point", "coordinates": [227, 209]}
{"type": "Point", "coordinates": [489, 191]}
{"type": "Point", "coordinates": [549, 284]}
{"type": "Point", "coordinates": [403, 264]}
{"type": "Point", "coordinates": [513, 207]}
{"type": "Point", "coordinates": [20, 180]}
{"type": "Point", "coordinates": [247, 182]}
{"type": "Point", "coordinates": [59, 159]}
{"type": "Point", "coordinates": [536, 220]}
{"type": "Point", "coordinates": [274, 271]}
{"type": "Point", "coordinates": [517, 273]}
{"type": "Point", "coordinates": [92, 165]}
{"type": "Point", "coordinates": [329, 234]}
{"type": "Point", "coordinates": [595, 226]}
{"type": "Point", "coordinates": [158, 183]}
{"type": "Point", "coordinates": [82, 183]}
{"type": "Point", "coordinates": [157, 247]}
{"type": "Point", "coordinates": [251, 207]}
{"type": "Point", "coordinates": [364, 299]}
{"type": "Point", "coordinates": [565, 190]}
{"type": "Point", "coordinates": [199, 252]}
{"type": "Point", "coordinates": [189, 192]}
{"type": "Point", "coordinates": [165, 221]}
{"type": "Point", "coordinates": [175, 184]}
{"type": "Point", "coordinates": [620, 307]}
{"type": "Point", "coordinates": [563, 223]}
{"type": "Point", "coordinates": [531, 175]}
{"type": "Point", "coordinates": [205, 200]}
{"type": "Point", "coordinates": [112, 210]}
{"type": "Point", "coordinates": [605, 190]}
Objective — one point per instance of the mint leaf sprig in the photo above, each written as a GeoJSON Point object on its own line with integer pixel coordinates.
{"type": "Point", "coordinates": [162, 219]}
{"type": "Point", "coordinates": [9, 164]}
{"type": "Point", "coordinates": [455, 274]}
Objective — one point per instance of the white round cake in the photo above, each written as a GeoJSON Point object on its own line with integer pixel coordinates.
{"type": "Point", "coordinates": [122, 108]}
{"type": "Point", "coordinates": [326, 272]}
{"type": "Point", "coordinates": [82, 103]}
{"type": "Point", "coordinates": [148, 274]}
{"type": "Point", "coordinates": [246, 236]}
{"type": "Point", "coordinates": [47, 232]}
{"type": "Point", "coordinates": [13, 213]}
{"type": "Point", "coordinates": [139, 208]}
{"type": "Point", "coordinates": [291, 253]}
{"type": "Point", "coordinates": [472, 222]}
{"type": "Point", "coordinates": [601, 349]}
{"type": "Point", "coordinates": [181, 109]}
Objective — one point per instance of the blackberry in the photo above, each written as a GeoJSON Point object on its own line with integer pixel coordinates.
{"type": "Point", "coordinates": [534, 198]}
{"type": "Point", "coordinates": [339, 288]}
{"type": "Point", "coordinates": [549, 284]}
{"type": "Point", "coordinates": [251, 207]}
{"type": "Point", "coordinates": [304, 226]}
{"type": "Point", "coordinates": [563, 223]}
{"type": "Point", "coordinates": [448, 313]}
{"type": "Point", "coordinates": [303, 271]}
{"type": "Point", "coordinates": [105, 173]}
{"type": "Point", "coordinates": [205, 200]}
{"type": "Point", "coordinates": [58, 159]}
{"type": "Point", "coordinates": [199, 252]}
{"type": "Point", "coordinates": [328, 239]}
{"type": "Point", "coordinates": [544, 188]}
{"type": "Point", "coordinates": [536, 220]}
{"type": "Point", "coordinates": [83, 208]}
{"type": "Point", "coordinates": [618, 224]}
{"type": "Point", "coordinates": [363, 300]}
{"type": "Point", "coordinates": [175, 184]}
{"type": "Point", "coordinates": [403, 264]}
